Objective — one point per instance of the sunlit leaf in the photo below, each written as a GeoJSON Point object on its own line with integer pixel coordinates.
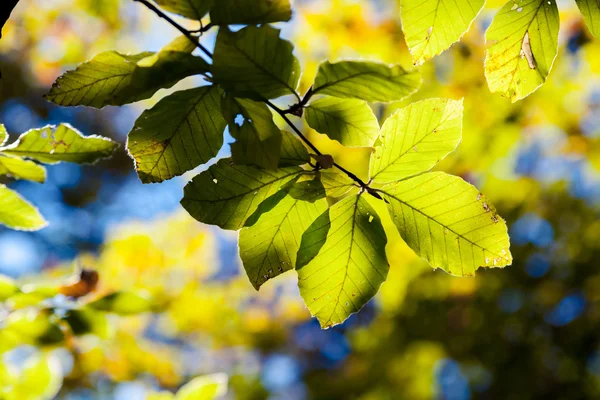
{"type": "Point", "coordinates": [112, 78]}
{"type": "Point", "coordinates": [449, 223]}
{"type": "Point", "coordinates": [123, 303]}
{"type": "Point", "coordinates": [416, 138]}
{"type": "Point", "coordinates": [52, 145]}
{"type": "Point", "coordinates": [254, 12]}
{"type": "Point", "coordinates": [349, 121]}
{"type": "Point", "coordinates": [85, 321]}
{"type": "Point", "coordinates": [33, 326]}
{"type": "Point", "coordinates": [40, 378]}
{"type": "Point", "coordinates": [336, 183]}
{"type": "Point", "coordinates": [432, 26]}
{"type": "Point", "coordinates": [522, 45]}
{"type": "Point", "coordinates": [207, 387]}
{"type": "Point", "coordinates": [227, 194]}
{"type": "Point", "coordinates": [365, 80]}
{"type": "Point", "coordinates": [181, 132]}
{"type": "Point", "coordinates": [8, 287]}
{"type": "Point", "coordinates": [255, 62]}
{"type": "Point", "coordinates": [293, 152]}
{"type": "Point", "coordinates": [590, 9]}
{"type": "Point", "coordinates": [17, 213]}
{"type": "Point", "coordinates": [192, 9]}
{"type": "Point", "coordinates": [21, 169]}
{"type": "Point", "coordinates": [268, 247]}
{"type": "Point", "coordinates": [258, 140]}
{"type": "Point", "coordinates": [3, 135]}
{"type": "Point", "coordinates": [342, 262]}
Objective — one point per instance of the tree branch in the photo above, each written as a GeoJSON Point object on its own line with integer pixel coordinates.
{"type": "Point", "coordinates": [296, 109]}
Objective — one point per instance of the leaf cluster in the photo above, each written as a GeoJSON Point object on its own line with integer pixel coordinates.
{"type": "Point", "coordinates": [295, 207]}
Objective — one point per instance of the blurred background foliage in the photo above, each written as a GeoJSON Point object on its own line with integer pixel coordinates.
{"type": "Point", "coordinates": [172, 302]}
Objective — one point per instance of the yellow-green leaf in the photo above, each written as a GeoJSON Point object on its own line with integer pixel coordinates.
{"type": "Point", "coordinates": [449, 223]}
{"type": "Point", "coordinates": [181, 132]}
{"type": "Point", "coordinates": [349, 121]}
{"type": "Point", "coordinates": [269, 245]}
{"type": "Point", "coordinates": [522, 45]}
{"type": "Point", "coordinates": [207, 387]}
{"type": "Point", "coordinates": [255, 62]}
{"type": "Point", "coordinates": [124, 303]}
{"type": "Point", "coordinates": [254, 12]}
{"type": "Point", "coordinates": [112, 78]}
{"type": "Point", "coordinates": [258, 140]}
{"type": "Point", "coordinates": [342, 262]}
{"type": "Point", "coordinates": [17, 213]}
{"type": "Point", "coordinates": [52, 145]}
{"type": "Point", "coordinates": [590, 9]}
{"type": "Point", "coordinates": [3, 135]}
{"type": "Point", "coordinates": [416, 138]}
{"type": "Point", "coordinates": [21, 169]}
{"type": "Point", "coordinates": [293, 152]}
{"type": "Point", "coordinates": [365, 80]}
{"type": "Point", "coordinates": [227, 194]}
{"type": "Point", "coordinates": [192, 9]}
{"type": "Point", "coordinates": [432, 26]}
{"type": "Point", "coordinates": [39, 378]}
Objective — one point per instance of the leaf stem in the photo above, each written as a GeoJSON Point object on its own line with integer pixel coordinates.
{"type": "Point", "coordinates": [296, 109]}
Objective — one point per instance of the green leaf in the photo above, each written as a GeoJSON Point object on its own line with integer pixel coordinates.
{"type": "Point", "coordinates": [293, 152]}
{"type": "Point", "coordinates": [33, 326]}
{"type": "Point", "coordinates": [112, 78]}
{"type": "Point", "coordinates": [84, 321]}
{"type": "Point", "coordinates": [369, 81]}
{"type": "Point", "coordinates": [432, 26]}
{"type": "Point", "coordinates": [39, 377]}
{"type": "Point", "coordinates": [349, 121]}
{"type": "Point", "coordinates": [52, 145]}
{"type": "Point", "coordinates": [3, 135]}
{"type": "Point", "coordinates": [523, 40]}
{"type": "Point", "coordinates": [181, 132]}
{"type": "Point", "coordinates": [8, 287]}
{"type": "Point", "coordinates": [21, 169]}
{"type": "Point", "coordinates": [227, 194]}
{"type": "Point", "coordinates": [253, 12]}
{"type": "Point", "coordinates": [336, 184]}
{"type": "Point", "coordinates": [590, 9]}
{"type": "Point", "coordinates": [449, 223]}
{"type": "Point", "coordinates": [256, 63]}
{"type": "Point", "coordinates": [342, 261]}
{"type": "Point", "coordinates": [17, 213]}
{"type": "Point", "coordinates": [207, 387]}
{"type": "Point", "coordinates": [416, 138]}
{"type": "Point", "coordinates": [192, 9]}
{"type": "Point", "coordinates": [258, 140]}
{"type": "Point", "coordinates": [269, 246]}
{"type": "Point", "coordinates": [123, 303]}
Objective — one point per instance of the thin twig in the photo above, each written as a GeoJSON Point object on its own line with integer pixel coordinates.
{"type": "Point", "coordinates": [180, 28]}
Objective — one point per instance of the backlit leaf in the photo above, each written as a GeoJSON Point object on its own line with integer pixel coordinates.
{"type": "Point", "coordinates": [342, 261]}
{"type": "Point", "coordinates": [590, 9]}
{"type": "Point", "coordinates": [522, 45]}
{"type": "Point", "coordinates": [227, 195]}
{"type": "Point", "coordinates": [21, 169]}
{"type": "Point", "coordinates": [416, 138]}
{"type": "Point", "coordinates": [207, 387]}
{"type": "Point", "coordinates": [192, 9]}
{"type": "Point", "coordinates": [52, 145]}
{"type": "Point", "coordinates": [181, 132]}
{"type": "Point", "coordinates": [449, 223]}
{"type": "Point", "coordinates": [293, 152]}
{"type": "Point", "coordinates": [365, 80]}
{"type": "Point", "coordinates": [230, 12]}
{"type": "Point", "coordinates": [123, 303]}
{"type": "Point", "coordinates": [3, 135]}
{"type": "Point", "coordinates": [336, 183]}
{"type": "Point", "coordinates": [258, 140]}
{"type": "Point", "coordinates": [432, 26]}
{"type": "Point", "coordinates": [111, 78]}
{"type": "Point", "coordinates": [269, 246]}
{"type": "Point", "coordinates": [17, 213]}
{"type": "Point", "coordinates": [349, 121]}
{"type": "Point", "coordinates": [255, 62]}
